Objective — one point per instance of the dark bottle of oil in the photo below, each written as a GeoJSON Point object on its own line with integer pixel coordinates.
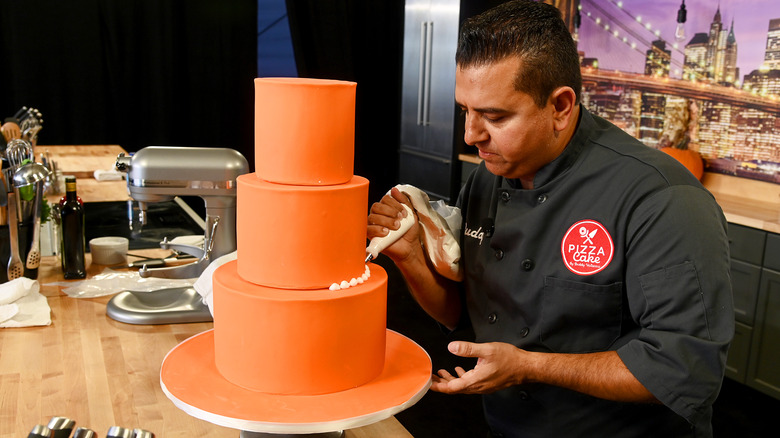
{"type": "Point", "coordinates": [72, 232]}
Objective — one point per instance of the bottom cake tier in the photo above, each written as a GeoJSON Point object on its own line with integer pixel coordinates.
{"type": "Point", "coordinates": [306, 342]}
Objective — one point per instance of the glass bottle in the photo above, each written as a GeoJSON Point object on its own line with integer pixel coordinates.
{"type": "Point", "coordinates": [72, 232]}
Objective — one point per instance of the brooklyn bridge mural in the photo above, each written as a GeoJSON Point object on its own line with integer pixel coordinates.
{"type": "Point", "coordinates": [699, 74]}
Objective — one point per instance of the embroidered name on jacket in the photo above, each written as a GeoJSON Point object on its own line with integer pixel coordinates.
{"type": "Point", "coordinates": [587, 247]}
{"type": "Point", "coordinates": [474, 234]}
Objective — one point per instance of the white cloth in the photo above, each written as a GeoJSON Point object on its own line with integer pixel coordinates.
{"type": "Point", "coordinates": [108, 175]}
{"type": "Point", "coordinates": [440, 223]}
{"type": "Point", "coordinates": [204, 284]}
{"type": "Point", "coordinates": [22, 305]}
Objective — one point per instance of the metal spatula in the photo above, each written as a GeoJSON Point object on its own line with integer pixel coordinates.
{"type": "Point", "coordinates": [15, 266]}
{"type": "Point", "coordinates": [34, 256]}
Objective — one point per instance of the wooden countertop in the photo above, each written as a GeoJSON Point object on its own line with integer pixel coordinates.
{"type": "Point", "coordinates": [744, 201]}
{"type": "Point", "coordinates": [93, 369]}
{"type": "Point", "coordinates": [747, 202]}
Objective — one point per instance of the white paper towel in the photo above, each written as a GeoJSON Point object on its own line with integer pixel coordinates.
{"type": "Point", "coordinates": [22, 305]}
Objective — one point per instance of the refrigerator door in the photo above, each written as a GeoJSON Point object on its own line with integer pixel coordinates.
{"type": "Point", "coordinates": [428, 96]}
{"type": "Point", "coordinates": [441, 109]}
{"type": "Point", "coordinates": [416, 18]}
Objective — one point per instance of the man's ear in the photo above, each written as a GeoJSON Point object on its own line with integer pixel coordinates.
{"type": "Point", "coordinates": [564, 101]}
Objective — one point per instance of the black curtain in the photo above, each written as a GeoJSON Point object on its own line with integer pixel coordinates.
{"type": "Point", "coordinates": [360, 41]}
{"type": "Point", "coordinates": [133, 73]}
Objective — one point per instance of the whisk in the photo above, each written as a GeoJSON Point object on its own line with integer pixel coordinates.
{"type": "Point", "coordinates": [17, 151]}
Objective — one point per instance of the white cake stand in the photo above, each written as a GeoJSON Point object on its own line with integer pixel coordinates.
{"type": "Point", "coordinates": [189, 377]}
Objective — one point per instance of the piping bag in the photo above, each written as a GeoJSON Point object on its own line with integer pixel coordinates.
{"type": "Point", "coordinates": [440, 224]}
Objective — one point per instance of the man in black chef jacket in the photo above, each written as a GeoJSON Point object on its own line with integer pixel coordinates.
{"type": "Point", "coordinates": [596, 269]}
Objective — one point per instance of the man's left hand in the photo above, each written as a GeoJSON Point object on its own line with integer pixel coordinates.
{"type": "Point", "coordinates": [498, 367]}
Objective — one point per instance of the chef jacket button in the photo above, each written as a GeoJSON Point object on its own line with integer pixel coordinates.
{"type": "Point", "coordinates": [505, 196]}
{"type": "Point", "coordinates": [492, 318]}
{"type": "Point", "coordinates": [523, 395]}
{"type": "Point", "coordinates": [524, 332]}
{"type": "Point", "coordinates": [541, 198]}
{"type": "Point", "coordinates": [527, 264]}
{"type": "Point", "coordinates": [499, 254]}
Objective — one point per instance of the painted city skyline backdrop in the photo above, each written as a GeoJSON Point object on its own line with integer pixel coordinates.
{"type": "Point", "coordinates": [723, 104]}
{"type": "Point", "coordinates": [626, 51]}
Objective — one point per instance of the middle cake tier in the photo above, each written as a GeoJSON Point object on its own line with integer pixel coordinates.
{"type": "Point", "coordinates": [300, 237]}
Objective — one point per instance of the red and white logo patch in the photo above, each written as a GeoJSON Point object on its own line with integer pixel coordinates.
{"type": "Point", "coordinates": [587, 248]}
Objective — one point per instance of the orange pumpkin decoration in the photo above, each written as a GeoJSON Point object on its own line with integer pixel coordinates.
{"type": "Point", "coordinates": [689, 158]}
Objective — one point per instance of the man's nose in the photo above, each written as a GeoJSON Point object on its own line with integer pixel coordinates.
{"type": "Point", "coordinates": [474, 131]}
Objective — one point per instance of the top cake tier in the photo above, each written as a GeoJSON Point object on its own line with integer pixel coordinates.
{"type": "Point", "coordinates": [304, 131]}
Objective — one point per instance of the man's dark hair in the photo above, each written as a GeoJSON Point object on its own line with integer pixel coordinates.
{"type": "Point", "coordinates": [536, 34]}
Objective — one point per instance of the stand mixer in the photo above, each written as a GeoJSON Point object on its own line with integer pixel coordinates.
{"type": "Point", "coordinates": [158, 174]}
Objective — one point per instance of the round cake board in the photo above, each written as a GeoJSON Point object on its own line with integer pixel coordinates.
{"type": "Point", "coordinates": [189, 377]}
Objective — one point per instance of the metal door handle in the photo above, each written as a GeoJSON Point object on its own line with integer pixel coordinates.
{"type": "Point", "coordinates": [424, 78]}
{"type": "Point", "coordinates": [428, 61]}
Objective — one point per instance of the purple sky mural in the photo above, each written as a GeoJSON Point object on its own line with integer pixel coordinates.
{"type": "Point", "coordinates": [750, 18]}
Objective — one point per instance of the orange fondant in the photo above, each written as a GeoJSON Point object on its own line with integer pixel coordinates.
{"type": "Point", "coordinates": [300, 237]}
{"type": "Point", "coordinates": [287, 354]}
{"type": "Point", "coordinates": [298, 341]}
{"type": "Point", "coordinates": [304, 130]}
{"type": "Point", "coordinates": [190, 378]}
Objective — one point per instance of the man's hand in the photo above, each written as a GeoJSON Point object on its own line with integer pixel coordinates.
{"type": "Point", "coordinates": [501, 365]}
{"type": "Point", "coordinates": [496, 369]}
{"type": "Point", "coordinates": [437, 295]}
{"type": "Point", "coordinates": [386, 215]}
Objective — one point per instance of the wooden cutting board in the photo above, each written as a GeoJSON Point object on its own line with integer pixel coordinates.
{"type": "Point", "coordinates": [81, 160]}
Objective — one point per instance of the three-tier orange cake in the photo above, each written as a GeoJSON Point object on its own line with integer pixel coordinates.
{"type": "Point", "coordinates": [300, 340]}
{"type": "Point", "coordinates": [301, 227]}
